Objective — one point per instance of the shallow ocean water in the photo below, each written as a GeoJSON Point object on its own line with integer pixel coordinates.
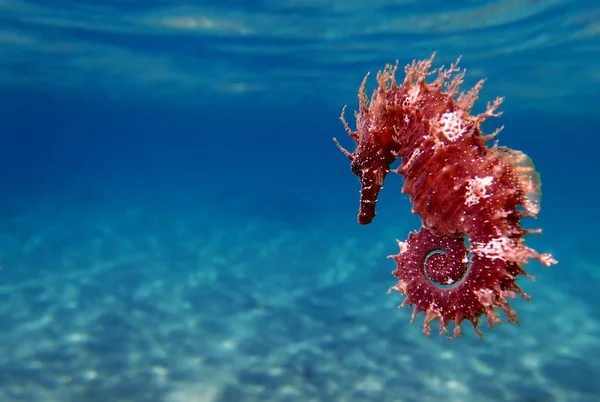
{"type": "Point", "coordinates": [177, 225]}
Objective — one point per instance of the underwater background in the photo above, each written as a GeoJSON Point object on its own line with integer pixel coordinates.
{"type": "Point", "coordinates": [177, 225]}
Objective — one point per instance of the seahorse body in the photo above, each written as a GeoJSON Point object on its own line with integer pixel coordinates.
{"type": "Point", "coordinates": [461, 189]}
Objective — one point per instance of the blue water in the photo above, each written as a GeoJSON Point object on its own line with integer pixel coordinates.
{"type": "Point", "coordinates": [177, 225]}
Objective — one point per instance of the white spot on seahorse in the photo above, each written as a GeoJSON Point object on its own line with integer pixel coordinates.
{"type": "Point", "coordinates": [500, 248]}
{"type": "Point", "coordinates": [477, 189]}
{"type": "Point", "coordinates": [450, 124]}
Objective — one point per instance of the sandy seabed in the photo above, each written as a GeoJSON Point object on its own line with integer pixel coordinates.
{"type": "Point", "coordinates": [133, 304]}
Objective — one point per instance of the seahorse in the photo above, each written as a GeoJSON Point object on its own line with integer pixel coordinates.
{"type": "Point", "coordinates": [464, 261]}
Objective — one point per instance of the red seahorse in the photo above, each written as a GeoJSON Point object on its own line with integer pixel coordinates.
{"type": "Point", "coordinates": [463, 191]}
